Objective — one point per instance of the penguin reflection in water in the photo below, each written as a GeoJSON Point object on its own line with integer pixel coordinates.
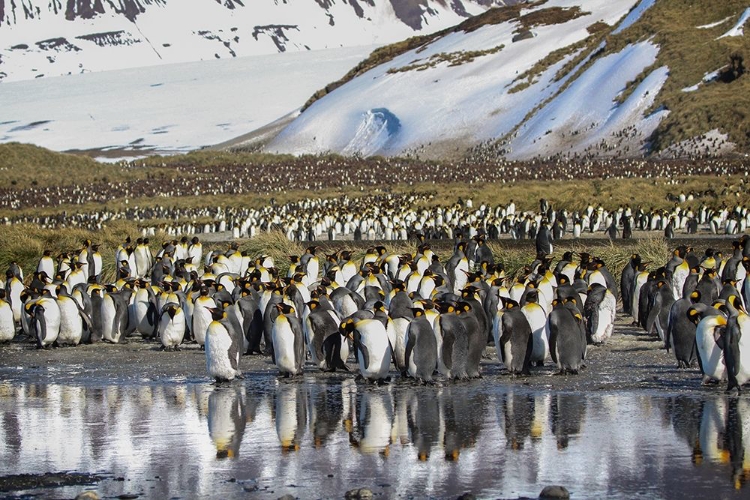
{"type": "Point", "coordinates": [227, 417]}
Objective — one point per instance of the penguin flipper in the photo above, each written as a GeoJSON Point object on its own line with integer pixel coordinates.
{"type": "Point", "coordinates": [87, 323]}
{"type": "Point", "coordinates": [363, 352]}
{"type": "Point", "coordinates": [552, 339]}
{"type": "Point", "coordinates": [410, 342]}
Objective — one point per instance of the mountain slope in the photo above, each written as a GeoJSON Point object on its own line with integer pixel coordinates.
{"type": "Point", "coordinates": [568, 78]}
{"type": "Point", "coordinates": [56, 37]}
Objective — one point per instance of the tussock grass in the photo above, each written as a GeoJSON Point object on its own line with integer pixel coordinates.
{"type": "Point", "coordinates": [26, 165]}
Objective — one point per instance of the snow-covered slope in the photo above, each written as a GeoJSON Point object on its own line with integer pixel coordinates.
{"type": "Point", "coordinates": [429, 102]}
{"type": "Point", "coordinates": [56, 37]}
{"type": "Point", "coordinates": [169, 108]}
{"type": "Point", "coordinates": [540, 80]}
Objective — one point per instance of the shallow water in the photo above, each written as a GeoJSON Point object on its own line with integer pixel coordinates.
{"type": "Point", "coordinates": [318, 438]}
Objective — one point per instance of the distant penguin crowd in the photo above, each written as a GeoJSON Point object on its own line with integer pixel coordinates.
{"type": "Point", "coordinates": [414, 314]}
{"type": "Point", "coordinates": [399, 217]}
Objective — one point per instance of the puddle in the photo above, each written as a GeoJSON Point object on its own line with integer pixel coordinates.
{"type": "Point", "coordinates": [316, 438]}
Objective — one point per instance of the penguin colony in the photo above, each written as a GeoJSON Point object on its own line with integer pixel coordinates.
{"type": "Point", "coordinates": [697, 304]}
{"type": "Point", "coordinates": [393, 217]}
{"type": "Point", "coordinates": [425, 317]}
{"type": "Point", "coordinates": [411, 311]}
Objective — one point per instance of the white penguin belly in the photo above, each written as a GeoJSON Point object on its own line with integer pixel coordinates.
{"type": "Point", "coordinates": [71, 327]}
{"type": "Point", "coordinates": [172, 330]}
{"type": "Point", "coordinates": [217, 352]}
{"type": "Point", "coordinates": [7, 326]}
{"type": "Point", "coordinates": [283, 347]}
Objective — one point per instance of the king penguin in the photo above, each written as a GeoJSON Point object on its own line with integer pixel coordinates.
{"type": "Point", "coordinates": [222, 352]}
{"type": "Point", "coordinates": [421, 348]}
{"type": "Point", "coordinates": [328, 349]}
{"type": "Point", "coordinates": [288, 341]}
{"type": "Point", "coordinates": [45, 315]}
{"type": "Point", "coordinates": [599, 311]}
{"type": "Point", "coordinates": [537, 319]}
{"type": "Point", "coordinates": [372, 346]}
{"type": "Point", "coordinates": [7, 325]}
{"type": "Point", "coordinates": [681, 331]}
{"type": "Point", "coordinates": [171, 326]}
{"type": "Point", "coordinates": [567, 337]}
{"type": "Point", "coordinates": [513, 339]}
{"type": "Point", "coordinates": [708, 335]}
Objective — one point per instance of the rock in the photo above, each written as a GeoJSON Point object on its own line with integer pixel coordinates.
{"type": "Point", "coordinates": [467, 496]}
{"type": "Point", "coordinates": [358, 494]}
{"type": "Point", "coordinates": [288, 497]}
{"type": "Point", "coordinates": [87, 495]}
{"type": "Point", "coordinates": [555, 492]}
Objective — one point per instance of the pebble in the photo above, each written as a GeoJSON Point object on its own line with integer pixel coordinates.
{"type": "Point", "coordinates": [87, 495]}
{"type": "Point", "coordinates": [555, 492]}
{"type": "Point", "coordinates": [358, 494]}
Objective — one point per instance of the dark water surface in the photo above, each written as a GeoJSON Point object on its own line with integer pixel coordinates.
{"type": "Point", "coordinates": [318, 438]}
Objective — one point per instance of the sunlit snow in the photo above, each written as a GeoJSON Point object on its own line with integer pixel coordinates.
{"type": "Point", "coordinates": [169, 108]}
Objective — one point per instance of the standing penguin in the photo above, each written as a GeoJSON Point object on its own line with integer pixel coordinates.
{"type": "Point", "coordinates": [328, 349]}
{"type": "Point", "coordinates": [7, 325]}
{"type": "Point", "coordinates": [661, 304]}
{"type": "Point", "coordinates": [626, 283]}
{"type": "Point", "coordinates": [567, 337]}
{"type": "Point", "coordinates": [681, 331]}
{"type": "Point", "coordinates": [736, 345]}
{"type": "Point", "coordinates": [476, 339]}
{"type": "Point", "coordinates": [708, 336]}
{"type": "Point", "coordinates": [288, 341]}
{"type": "Point", "coordinates": [222, 352]}
{"type": "Point", "coordinates": [171, 326]}
{"type": "Point", "coordinates": [146, 313]}
{"type": "Point", "coordinates": [114, 314]}
{"type": "Point", "coordinates": [45, 320]}
{"type": "Point", "coordinates": [421, 348]}
{"type": "Point", "coordinates": [372, 346]}
{"type": "Point", "coordinates": [599, 311]}
{"type": "Point", "coordinates": [537, 319]}
{"type": "Point", "coordinates": [513, 339]}
{"type": "Point", "coordinates": [202, 316]}
{"type": "Point", "coordinates": [71, 322]}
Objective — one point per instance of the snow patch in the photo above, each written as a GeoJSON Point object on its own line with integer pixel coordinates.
{"type": "Point", "coordinates": [738, 29]}
{"type": "Point", "coordinates": [634, 15]}
{"type": "Point", "coordinates": [708, 77]}
{"type": "Point", "coordinates": [567, 127]}
{"type": "Point", "coordinates": [377, 128]}
{"type": "Point", "coordinates": [713, 25]}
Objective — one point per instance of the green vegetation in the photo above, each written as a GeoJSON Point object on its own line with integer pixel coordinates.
{"type": "Point", "coordinates": [25, 244]}
{"type": "Point", "coordinates": [690, 53]}
{"type": "Point", "coordinates": [25, 165]}
{"type": "Point", "coordinates": [452, 58]}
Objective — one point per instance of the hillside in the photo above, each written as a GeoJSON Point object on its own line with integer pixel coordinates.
{"type": "Point", "coordinates": [556, 78]}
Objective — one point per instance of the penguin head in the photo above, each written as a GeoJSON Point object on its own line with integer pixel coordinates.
{"type": "Point", "coordinates": [508, 303]}
{"type": "Point", "coordinates": [217, 313]}
{"type": "Point", "coordinates": [313, 304]}
{"type": "Point", "coordinates": [695, 296]}
{"type": "Point", "coordinates": [463, 307]}
{"type": "Point", "coordinates": [172, 310]}
{"type": "Point", "coordinates": [346, 328]}
{"type": "Point", "coordinates": [284, 308]}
